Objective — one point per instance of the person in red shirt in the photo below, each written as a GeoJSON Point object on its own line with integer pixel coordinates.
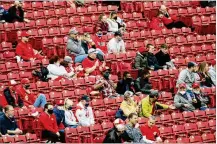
{"type": "Point", "coordinates": [49, 125]}
{"type": "Point", "coordinates": [25, 50]}
{"type": "Point", "coordinates": [91, 64]}
{"type": "Point", "coordinates": [157, 23]}
{"type": "Point", "coordinates": [150, 132]}
{"type": "Point", "coordinates": [28, 98]}
{"type": "Point", "coordinates": [100, 42]}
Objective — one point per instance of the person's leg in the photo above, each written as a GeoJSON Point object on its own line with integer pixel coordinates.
{"type": "Point", "coordinates": [62, 136]}
{"type": "Point", "coordinates": [80, 58]}
{"type": "Point", "coordinates": [40, 101]}
{"type": "Point", "coordinates": [50, 136]}
{"type": "Point", "coordinates": [179, 24]}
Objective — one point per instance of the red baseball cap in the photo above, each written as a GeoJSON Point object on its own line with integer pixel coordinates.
{"type": "Point", "coordinates": [59, 102]}
{"type": "Point", "coordinates": [25, 81]}
{"type": "Point", "coordinates": [24, 34]}
{"type": "Point", "coordinates": [142, 50]}
{"type": "Point", "coordinates": [195, 85]}
{"type": "Point", "coordinates": [118, 121]}
{"type": "Point", "coordinates": [182, 85]}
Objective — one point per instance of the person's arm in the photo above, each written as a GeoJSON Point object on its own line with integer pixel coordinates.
{"type": "Point", "coordinates": [177, 102]}
{"type": "Point", "coordinates": [90, 70]}
{"type": "Point", "coordinates": [98, 85]}
{"type": "Point", "coordinates": [147, 140]}
{"type": "Point", "coordinates": [20, 52]}
{"type": "Point", "coordinates": [118, 88]}
{"type": "Point", "coordinates": [21, 17]}
{"type": "Point", "coordinates": [68, 121]}
{"type": "Point", "coordinates": [164, 106]}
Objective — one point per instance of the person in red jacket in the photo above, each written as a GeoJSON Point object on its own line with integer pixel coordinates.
{"type": "Point", "coordinates": [157, 23]}
{"type": "Point", "coordinates": [100, 42]}
{"type": "Point", "coordinates": [25, 50]}
{"type": "Point", "coordinates": [49, 125]}
{"type": "Point", "coordinates": [28, 98]}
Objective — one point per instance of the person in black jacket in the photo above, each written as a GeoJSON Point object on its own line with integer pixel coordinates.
{"type": "Point", "coordinates": [15, 13]}
{"type": "Point", "coordinates": [126, 84]}
{"type": "Point", "coordinates": [152, 60]}
{"type": "Point", "coordinates": [163, 57]}
{"type": "Point", "coordinates": [11, 96]}
{"type": "Point", "coordinates": [142, 83]}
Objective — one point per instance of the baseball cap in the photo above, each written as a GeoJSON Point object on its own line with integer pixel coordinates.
{"type": "Point", "coordinates": [91, 50]}
{"type": "Point", "coordinates": [73, 31]}
{"type": "Point", "coordinates": [118, 121]}
{"type": "Point", "coordinates": [191, 64]}
{"type": "Point", "coordinates": [154, 93]}
{"type": "Point", "coordinates": [59, 102]}
{"type": "Point", "coordinates": [118, 33]}
{"type": "Point", "coordinates": [85, 97]}
{"type": "Point", "coordinates": [24, 34]}
{"type": "Point", "coordinates": [182, 85]}
{"type": "Point", "coordinates": [24, 81]}
{"type": "Point", "coordinates": [195, 85]}
{"type": "Point", "coordinates": [12, 83]}
{"type": "Point", "coordinates": [142, 50]}
{"type": "Point", "coordinates": [68, 59]}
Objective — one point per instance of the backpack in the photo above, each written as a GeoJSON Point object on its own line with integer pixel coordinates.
{"type": "Point", "coordinates": [42, 74]}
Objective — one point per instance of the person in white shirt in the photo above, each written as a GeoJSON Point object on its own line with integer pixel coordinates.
{"type": "Point", "coordinates": [70, 119]}
{"type": "Point", "coordinates": [212, 71]}
{"type": "Point", "coordinates": [84, 112]}
{"type": "Point", "coordinates": [56, 70]}
{"type": "Point", "coordinates": [116, 44]}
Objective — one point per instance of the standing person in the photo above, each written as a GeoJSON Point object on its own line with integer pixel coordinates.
{"type": "Point", "coordinates": [149, 104]}
{"type": "Point", "coordinates": [212, 72]}
{"type": "Point", "coordinates": [115, 135]}
{"type": "Point", "coordinates": [106, 85]}
{"type": "Point", "coordinates": [132, 129]}
{"type": "Point", "coordinates": [150, 131]}
{"type": "Point", "coordinates": [182, 100]}
{"type": "Point", "coordinates": [25, 51]}
{"type": "Point", "coordinates": [16, 13]}
{"type": "Point", "coordinates": [28, 97]}
{"type": "Point", "coordinates": [152, 60]}
{"type": "Point", "coordinates": [8, 124]}
{"type": "Point", "coordinates": [163, 57]}
{"type": "Point", "coordinates": [116, 44]}
{"type": "Point", "coordinates": [187, 75]}
{"type": "Point", "coordinates": [125, 84]}
{"type": "Point", "coordinates": [84, 112]}
{"type": "Point", "coordinates": [102, 24]}
{"type": "Point", "coordinates": [74, 46]}
{"type": "Point", "coordinates": [49, 125]}
{"type": "Point", "coordinates": [70, 119]}
{"type": "Point", "coordinates": [204, 75]}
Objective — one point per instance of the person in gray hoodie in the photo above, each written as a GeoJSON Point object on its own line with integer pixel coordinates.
{"type": "Point", "coordinates": [182, 100]}
{"type": "Point", "coordinates": [74, 46]}
{"type": "Point", "coordinates": [187, 76]}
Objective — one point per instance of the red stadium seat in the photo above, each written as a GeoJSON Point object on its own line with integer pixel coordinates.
{"type": "Point", "coordinates": [38, 14]}
{"type": "Point", "coordinates": [196, 49]}
{"type": "Point", "coordinates": [200, 58]}
{"type": "Point", "coordinates": [100, 116]}
{"type": "Point", "coordinates": [72, 136]}
{"type": "Point", "coordinates": [166, 132]}
{"type": "Point", "coordinates": [5, 46]}
{"type": "Point", "coordinates": [211, 113]}
{"type": "Point", "coordinates": [32, 138]}
{"type": "Point", "coordinates": [166, 120]}
{"type": "Point", "coordinates": [179, 130]}
{"type": "Point", "coordinates": [208, 138]}
{"type": "Point", "coordinates": [203, 126]}
{"type": "Point", "coordinates": [96, 130]}
{"type": "Point", "coordinates": [183, 140]}
{"type": "Point", "coordinates": [60, 12]}
{"type": "Point", "coordinates": [11, 66]}
{"type": "Point", "coordinates": [212, 124]}
{"type": "Point", "coordinates": [52, 22]}
{"type": "Point", "coordinates": [81, 10]}
{"type": "Point", "coordinates": [110, 103]}
{"type": "Point", "coordinates": [191, 128]}
{"type": "Point", "coordinates": [63, 21]}
{"type": "Point", "coordinates": [107, 126]}
{"type": "Point", "coordinates": [41, 23]}
{"type": "Point", "coordinates": [20, 139]}
{"type": "Point", "coordinates": [80, 92]}
{"type": "Point", "coordinates": [200, 115]}
{"type": "Point", "coordinates": [24, 74]}
{"type": "Point", "coordinates": [195, 139]}
{"type": "Point", "coordinates": [98, 104]}
{"type": "Point", "coordinates": [56, 95]}
{"type": "Point", "coordinates": [47, 4]}
{"type": "Point", "coordinates": [8, 139]}
{"type": "Point", "coordinates": [170, 141]}
{"type": "Point", "coordinates": [37, 5]}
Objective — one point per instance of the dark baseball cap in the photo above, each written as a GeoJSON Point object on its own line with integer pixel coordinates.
{"type": "Point", "coordinates": [118, 33]}
{"type": "Point", "coordinates": [191, 64]}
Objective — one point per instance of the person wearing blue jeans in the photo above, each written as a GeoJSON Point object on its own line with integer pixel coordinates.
{"type": "Point", "coordinates": [80, 58]}
{"type": "Point", "coordinates": [40, 101]}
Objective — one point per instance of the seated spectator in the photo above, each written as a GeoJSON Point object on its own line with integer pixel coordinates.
{"type": "Point", "coordinates": [204, 75]}
{"type": "Point", "coordinates": [212, 72]}
{"type": "Point", "coordinates": [199, 99]}
{"type": "Point", "coordinates": [59, 112]}
{"type": "Point", "coordinates": [84, 112]}
{"type": "Point", "coordinates": [56, 71]}
{"type": "Point", "coordinates": [102, 24]}
{"type": "Point", "coordinates": [182, 100]}
{"type": "Point", "coordinates": [12, 96]}
{"type": "Point", "coordinates": [132, 129]}
{"type": "Point", "coordinates": [163, 57]}
{"type": "Point", "coordinates": [149, 104]}
{"type": "Point", "coordinates": [187, 76]}
{"type": "Point", "coordinates": [25, 51]}
{"type": "Point", "coordinates": [15, 13]}
{"type": "Point", "coordinates": [152, 60]}
{"type": "Point", "coordinates": [142, 83]}
{"type": "Point", "coordinates": [116, 44]}
{"type": "Point", "coordinates": [70, 119]}
{"type": "Point", "coordinates": [100, 43]}
{"type": "Point", "coordinates": [117, 134]}
{"type": "Point", "coordinates": [128, 105]}
{"type": "Point", "coordinates": [3, 13]}
{"type": "Point", "coordinates": [170, 21]}
{"type": "Point", "coordinates": [157, 23]}
{"type": "Point", "coordinates": [1, 111]}
{"type": "Point", "coordinates": [67, 63]}
{"type": "Point", "coordinates": [50, 130]}
{"type": "Point", "coordinates": [125, 84]}
{"type": "Point", "coordinates": [28, 98]}
{"type": "Point", "coordinates": [115, 23]}
{"type": "Point", "coordinates": [91, 64]}
{"type": "Point", "coordinates": [74, 46]}
{"type": "Point", "coordinates": [105, 85]}
{"type": "Point", "coordinates": [141, 62]}
{"type": "Point", "coordinates": [150, 131]}
{"type": "Point", "coordinates": [8, 123]}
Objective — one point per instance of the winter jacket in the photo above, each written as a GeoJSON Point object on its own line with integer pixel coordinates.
{"type": "Point", "coordinates": [187, 77]}
{"type": "Point", "coordinates": [162, 58]}
{"type": "Point", "coordinates": [143, 85]}
{"type": "Point", "coordinates": [180, 100]}
{"type": "Point", "coordinates": [141, 62]}
{"type": "Point", "coordinates": [152, 61]}
{"type": "Point", "coordinates": [74, 47]}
